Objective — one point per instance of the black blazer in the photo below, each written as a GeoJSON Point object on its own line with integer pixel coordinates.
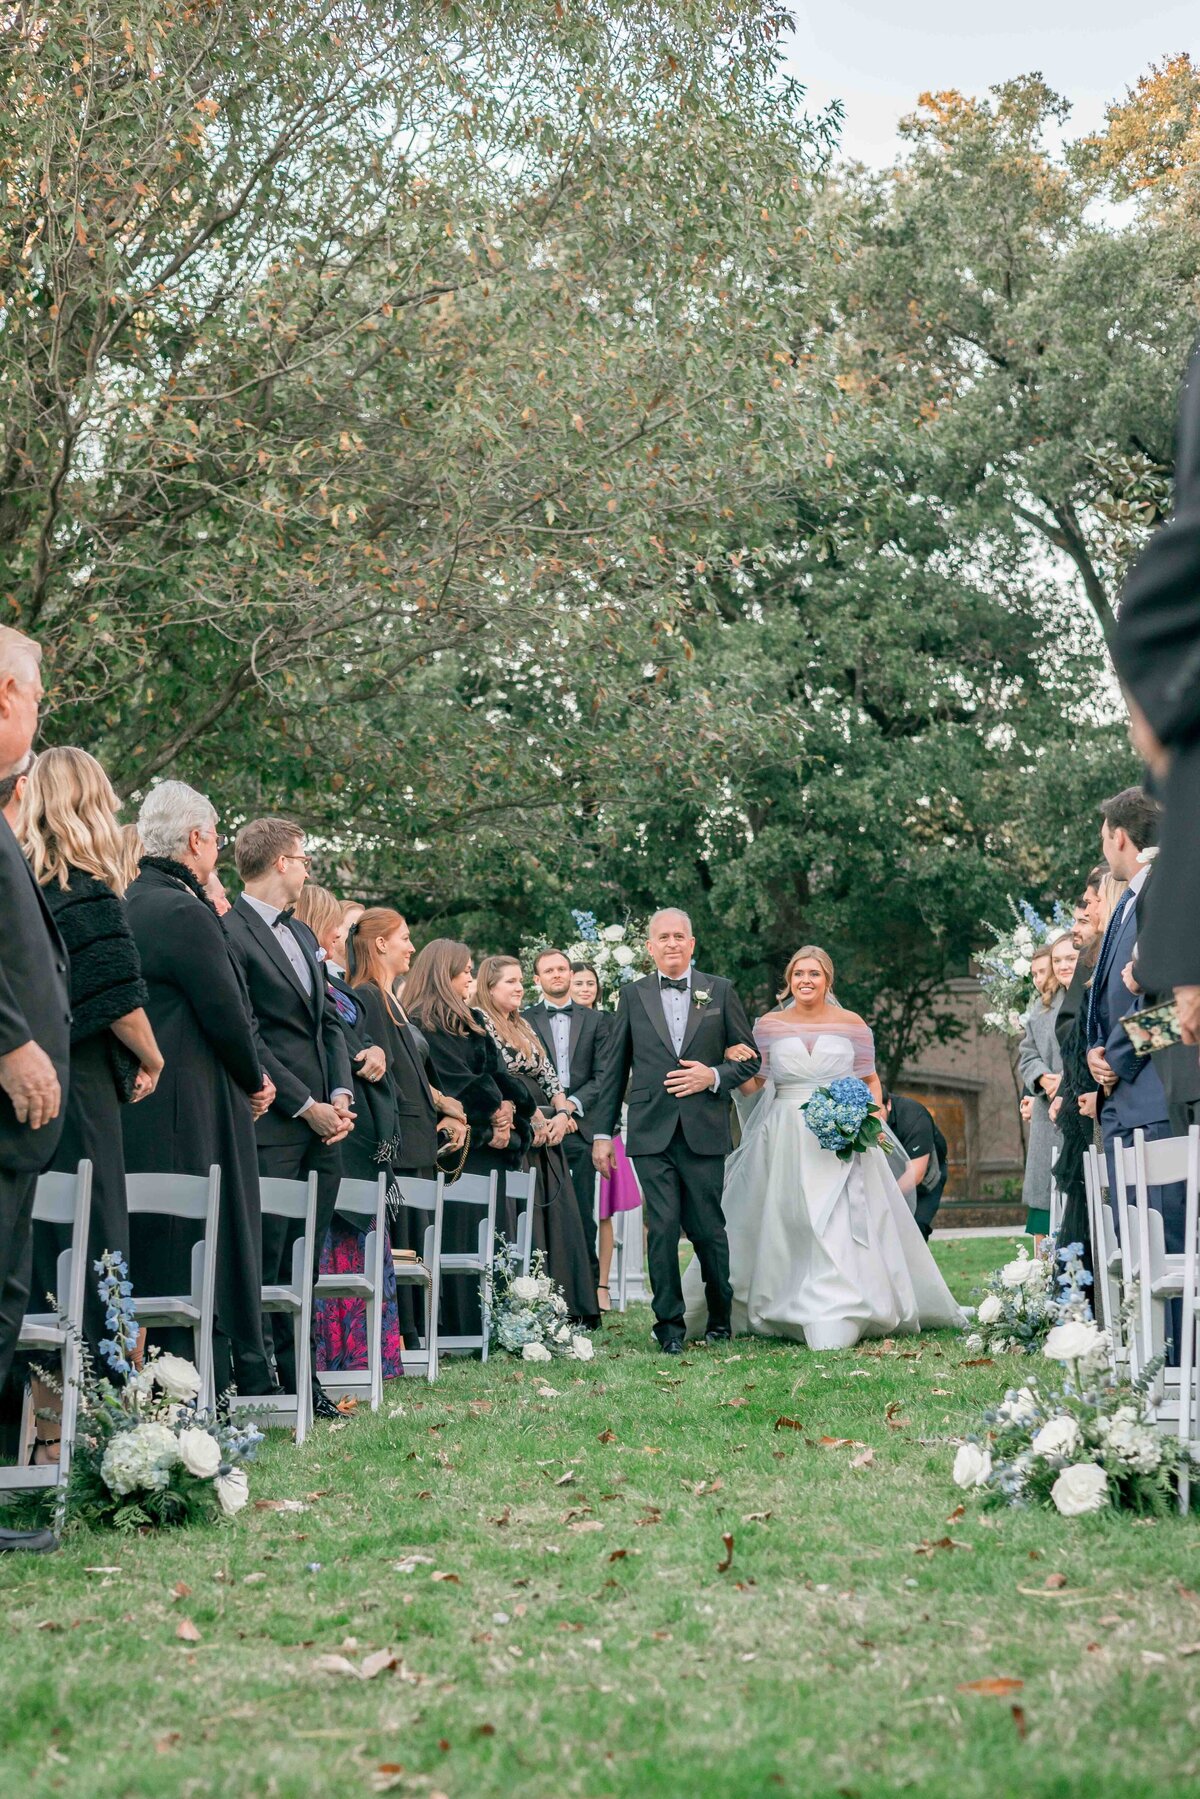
{"type": "Point", "coordinates": [470, 1068]}
{"type": "Point", "coordinates": [301, 1045]}
{"type": "Point", "coordinates": [34, 1002]}
{"type": "Point", "coordinates": [371, 1145]}
{"type": "Point", "coordinates": [585, 1053]}
{"type": "Point", "coordinates": [639, 1050]}
{"type": "Point", "coordinates": [415, 1113]}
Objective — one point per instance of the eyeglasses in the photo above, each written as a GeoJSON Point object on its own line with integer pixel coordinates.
{"type": "Point", "coordinates": [222, 843]}
{"type": "Point", "coordinates": [307, 860]}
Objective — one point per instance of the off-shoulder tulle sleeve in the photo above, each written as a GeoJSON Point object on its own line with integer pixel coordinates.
{"type": "Point", "coordinates": [864, 1049]}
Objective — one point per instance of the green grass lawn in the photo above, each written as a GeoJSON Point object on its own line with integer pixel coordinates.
{"type": "Point", "coordinates": [554, 1571]}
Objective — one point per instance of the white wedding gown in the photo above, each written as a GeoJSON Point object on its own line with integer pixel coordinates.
{"type": "Point", "coordinates": [819, 1249]}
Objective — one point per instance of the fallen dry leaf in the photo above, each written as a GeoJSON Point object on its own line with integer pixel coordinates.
{"type": "Point", "coordinates": [929, 1545]}
{"type": "Point", "coordinates": [980, 1361]}
{"type": "Point", "coordinates": [891, 1415]}
{"type": "Point", "coordinates": [587, 1524]}
{"type": "Point", "coordinates": [102, 1570]}
{"type": "Point", "coordinates": [186, 1631]}
{"type": "Point", "coordinates": [335, 1664]}
{"type": "Point", "coordinates": [1055, 1580]}
{"type": "Point", "coordinates": [439, 1574]}
{"type": "Point", "coordinates": [958, 1512]}
{"type": "Point", "coordinates": [181, 1590]}
{"type": "Point", "coordinates": [503, 1517]}
{"type": "Point", "coordinates": [1018, 1718]}
{"type": "Point", "coordinates": [547, 1392]}
{"type": "Point", "coordinates": [171, 1740]}
{"type": "Point", "coordinates": [377, 1662]}
{"type": "Point", "coordinates": [756, 1517]}
{"type": "Point", "coordinates": [727, 1539]}
{"type": "Point", "coordinates": [996, 1686]}
{"type": "Point", "coordinates": [618, 1555]}
{"type": "Point", "coordinates": [564, 1480]}
{"type": "Point", "coordinates": [53, 1624]}
{"type": "Point", "coordinates": [865, 1460]}
{"type": "Point", "coordinates": [731, 1404]}
{"type": "Point", "coordinates": [607, 1436]}
{"type": "Point", "coordinates": [788, 1424]}
{"type": "Point", "coordinates": [280, 1505]}
{"type": "Point", "coordinates": [839, 1443]}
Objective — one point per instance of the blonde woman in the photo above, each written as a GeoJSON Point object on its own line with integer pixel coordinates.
{"type": "Point", "coordinates": [68, 829]}
{"type": "Point", "coordinates": [820, 1250]}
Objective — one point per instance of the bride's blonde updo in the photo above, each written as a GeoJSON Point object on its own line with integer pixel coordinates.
{"type": "Point", "coordinates": [811, 952]}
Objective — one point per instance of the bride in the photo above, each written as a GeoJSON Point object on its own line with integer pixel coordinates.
{"type": "Point", "coordinates": [818, 1248]}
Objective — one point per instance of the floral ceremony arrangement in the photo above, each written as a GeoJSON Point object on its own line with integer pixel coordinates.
{"type": "Point", "coordinates": [1020, 1305]}
{"type": "Point", "coordinates": [842, 1117]}
{"type": "Point", "coordinates": [528, 1314]}
{"type": "Point", "coordinates": [145, 1456]}
{"type": "Point", "coordinates": [616, 951]}
{"type": "Point", "coordinates": [1083, 1444]}
{"type": "Point", "coordinates": [1005, 968]}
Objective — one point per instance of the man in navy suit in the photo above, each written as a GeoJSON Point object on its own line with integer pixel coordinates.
{"type": "Point", "coordinates": [1134, 1098]}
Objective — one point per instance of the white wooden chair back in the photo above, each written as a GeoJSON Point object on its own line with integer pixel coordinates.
{"type": "Point", "coordinates": [521, 1186]}
{"type": "Point", "coordinates": [61, 1199]}
{"type": "Point", "coordinates": [471, 1190]}
{"type": "Point", "coordinates": [1160, 1275]}
{"type": "Point", "coordinates": [1106, 1256]}
{"type": "Point", "coordinates": [363, 1205]}
{"type": "Point", "coordinates": [1189, 1397]}
{"type": "Point", "coordinates": [296, 1200]}
{"type": "Point", "coordinates": [426, 1197]}
{"type": "Point", "coordinates": [196, 1197]}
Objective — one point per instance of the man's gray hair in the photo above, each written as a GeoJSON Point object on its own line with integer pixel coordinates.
{"type": "Point", "coordinates": [668, 912]}
{"type": "Point", "coordinates": [170, 813]}
{"type": "Point", "coordinates": [20, 656]}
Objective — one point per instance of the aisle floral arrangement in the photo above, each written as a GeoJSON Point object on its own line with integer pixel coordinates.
{"type": "Point", "coordinates": [1080, 1444]}
{"type": "Point", "coordinates": [1005, 968]}
{"type": "Point", "coordinates": [145, 1456]}
{"type": "Point", "coordinates": [842, 1117]}
{"type": "Point", "coordinates": [616, 951]}
{"type": "Point", "coordinates": [528, 1314]}
{"type": "Point", "coordinates": [1019, 1304]}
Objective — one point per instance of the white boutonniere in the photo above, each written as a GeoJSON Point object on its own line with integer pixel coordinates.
{"type": "Point", "coordinates": [700, 996]}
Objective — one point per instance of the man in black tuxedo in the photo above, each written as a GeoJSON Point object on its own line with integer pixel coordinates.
{"type": "Point", "coordinates": [672, 1033]}
{"type": "Point", "coordinates": [573, 1037]}
{"type": "Point", "coordinates": [302, 1048]}
{"type": "Point", "coordinates": [35, 1026]}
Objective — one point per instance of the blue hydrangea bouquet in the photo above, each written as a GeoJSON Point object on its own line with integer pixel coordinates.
{"type": "Point", "coordinates": [842, 1117]}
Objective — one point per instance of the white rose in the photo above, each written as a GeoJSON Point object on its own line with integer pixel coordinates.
{"type": "Point", "coordinates": [233, 1490]}
{"type": "Point", "coordinates": [536, 1352]}
{"type": "Point", "coordinates": [562, 1333]}
{"type": "Point", "coordinates": [973, 1344]}
{"type": "Point", "coordinates": [199, 1453]}
{"type": "Point", "coordinates": [580, 952]}
{"type": "Point", "coordinates": [991, 1307]}
{"type": "Point", "coordinates": [623, 955]}
{"type": "Point", "coordinates": [583, 1349]}
{"type": "Point", "coordinates": [559, 1304]}
{"type": "Point", "coordinates": [1060, 1437]}
{"type": "Point", "coordinates": [179, 1379]}
{"type": "Point", "coordinates": [1023, 937]}
{"type": "Point", "coordinates": [1021, 965]}
{"type": "Point", "coordinates": [524, 1288]}
{"type": "Point", "coordinates": [1021, 1273]}
{"type": "Point", "coordinates": [972, 1466]}
{"type": "Point", "coordinates": [545, 1286]}
{"type": "Point", "coordinates": [1019, 1407]}
{"type": "Point", "coordinates": [1083, 1487]}
{"type": "Point", "coordinates": [613, 933]}
{"type": "Point", "coordinates": [1078, 1340]}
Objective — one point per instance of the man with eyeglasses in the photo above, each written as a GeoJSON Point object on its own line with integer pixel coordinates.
{"type": "Point", "coordinates": [302, 1046]}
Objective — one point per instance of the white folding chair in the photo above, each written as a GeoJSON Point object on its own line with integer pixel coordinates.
{"type": "Point", "coordinates": [62, 1199]}
{"type": "Point", "coordinates": [522, 1186]}
{"type": "Point", "coordinates": [198, 1197]}
{"type": "Point", "coordinates": [294, 1298]}
{"type": "Point", "coordinates": [468, 1190]}
{"type": "Point", "coordinates": [427, 1197]}
{"type": "Point", "coordinates": [1160, 1274]}
{"type": "Point", "coordinates": [363, 1204]}
{"type": "Point", "coordinates": [1189, 1398]}
{"type": "Point", "coordinates": [1106, 1257]}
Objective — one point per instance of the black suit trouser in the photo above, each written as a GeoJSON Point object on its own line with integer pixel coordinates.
{"type": "Point", "coordinates": [927, 1208]}
{"type": "Point", "coordinates": [583, 1180]}
{"type": "Point", "coordinates": [16, 1259]}
{"type": "Point", "coordinates": [681, 1192]}
{"type": "Point", "coordinates": [295, 1162]}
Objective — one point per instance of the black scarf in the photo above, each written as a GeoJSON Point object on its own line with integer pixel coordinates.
{"type": "Point", "coordinates": [179, 871]}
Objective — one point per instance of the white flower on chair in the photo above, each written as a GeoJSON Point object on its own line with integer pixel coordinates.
{"type": "Point", "coordinates": [178, 1378]}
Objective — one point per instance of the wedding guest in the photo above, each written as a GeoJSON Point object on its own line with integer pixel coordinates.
{"type": "Point", "coordinates": [214, 890]}
{"type": "Point", "coordinates": [35, 1028]}
{"type": "Point", "coordinates": [927, 1150]}
{"type": "Point", "coordinates": [12, 787]}
{"type": "Point", "coordinates": [212, 1089]}
{"type": "Point", "coordinates": [1085, 930]}
{"type": "Point", "coordinates": [68, 828]}
{"type": "Point", "coordinates": [1074, 1108]}
{"type": "Point", "coordinates": [301, 1047]}
{"type": "Point", "coordinates": [371, 1149]}
{"type": "Point", "coordinates": [1039, 1069]}
{"type": "Point", "coordinates": [619, 1192]}
{"type": "Point", "coordinates": [558, 1227]}
{"type": "Point", "coordinates": [573, 1038]}
{"type": "Point", "coordinates": [499, 1109]}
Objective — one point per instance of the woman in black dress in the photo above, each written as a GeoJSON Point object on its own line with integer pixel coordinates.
{"type": "Point", "coordinates": [557, 1224]}
{"type": "Point", "coordinates": [69, 831]}
{"type": "Point", "coordinates": [499, 1108]}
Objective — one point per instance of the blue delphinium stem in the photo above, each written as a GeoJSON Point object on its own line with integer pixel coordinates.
{"type": "Point", "coordinates": [120, 1313]}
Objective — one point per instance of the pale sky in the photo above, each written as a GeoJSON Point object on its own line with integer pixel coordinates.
{"type": "Point", "coordinates": [878, 55]}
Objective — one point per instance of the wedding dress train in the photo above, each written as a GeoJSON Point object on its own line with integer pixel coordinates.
{"type": "Point", "coordinates": [819, 1249]}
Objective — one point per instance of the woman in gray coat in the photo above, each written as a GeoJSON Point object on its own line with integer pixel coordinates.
{"type": "Point", "coordinates": [1039, 1068]}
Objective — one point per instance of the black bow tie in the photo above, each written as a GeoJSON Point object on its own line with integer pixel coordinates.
{"type": "Point", "coordinates": [568, 1008]}
{"type": "Point", "coordinates": [288, 912]}
{"type": "Point", "coordinates": [664, 980]}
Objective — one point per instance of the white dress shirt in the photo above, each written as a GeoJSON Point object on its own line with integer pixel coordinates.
{"type": "Point", "coordinates": [560, 1036]}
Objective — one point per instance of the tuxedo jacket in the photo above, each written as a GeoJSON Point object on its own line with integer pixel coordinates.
{"type": "Point", "coordinates": [35, 1001]}
{"type": "Point", "coordinates": [300, 1040]}
{"type": "Point", "coordinates": [1138, 1098]}
{"type": "Point", "coordinates": [639, 1050]}
{"type": "Point", "coordinates": [585, 1053]}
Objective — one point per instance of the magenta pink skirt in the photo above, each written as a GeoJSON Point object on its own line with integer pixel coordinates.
{"type": "Point", "coordinates": [621, 1193]}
